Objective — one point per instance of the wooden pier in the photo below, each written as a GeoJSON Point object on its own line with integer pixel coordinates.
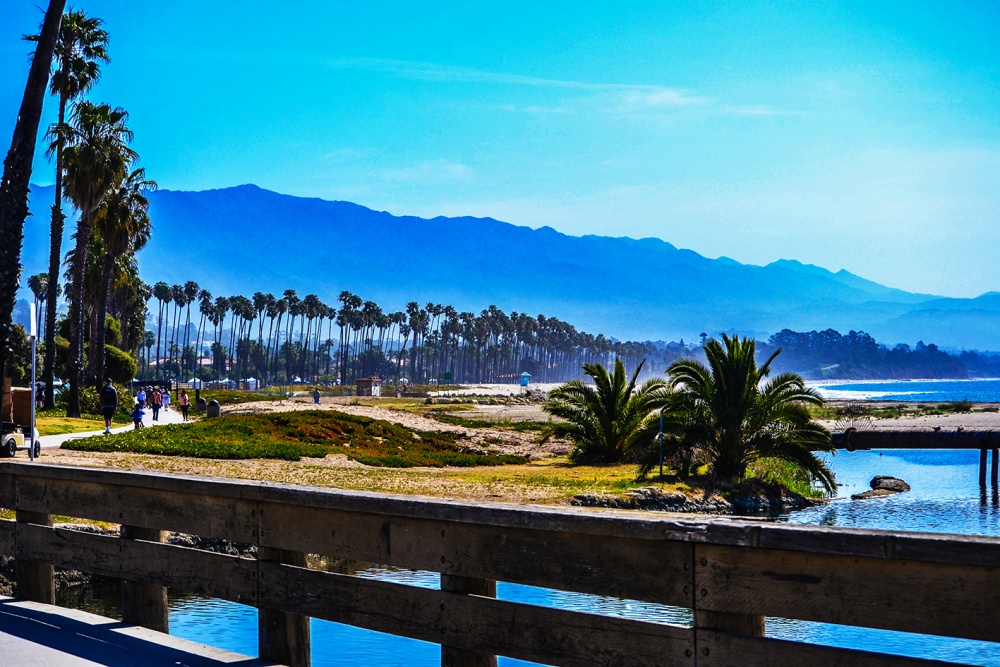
{"type": "Point", "coordinates": [986, 441]}
{"type": "Point", "coordinates": [729, 573]}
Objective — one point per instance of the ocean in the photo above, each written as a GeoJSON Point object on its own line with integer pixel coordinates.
{"type": "Point", "coordinates": [920, 391]}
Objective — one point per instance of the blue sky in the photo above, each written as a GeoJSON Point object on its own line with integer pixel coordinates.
{"type": "Point", "coordinates": [859, 135]}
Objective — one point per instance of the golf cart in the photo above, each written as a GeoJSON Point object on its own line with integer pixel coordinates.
{"type": "Point", "coordinates": [16, 430]}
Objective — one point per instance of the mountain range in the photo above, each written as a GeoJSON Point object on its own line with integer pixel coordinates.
{"type": "Point", "coordinates": [244, 239]}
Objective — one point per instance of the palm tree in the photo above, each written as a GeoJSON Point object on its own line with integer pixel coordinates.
{"type": "Point", "coordinates": [38, 284]}
{"type": "Point", "coordinates": [17, 173]}
{"type": "Point", "coordinates": [80, 48]}
{"type": "Point", "coordinates": [122, 222]}
{"type": "Point", "coordinates": [95, 157]}
{"type": "Point", "coordinates": [191, 292]}
{"type": "Point", "coordinates": [608, 422]}
{"type": "Point", "coordinates": [737, 419]}
{"type": "Point", "coordinates": [161, 291]}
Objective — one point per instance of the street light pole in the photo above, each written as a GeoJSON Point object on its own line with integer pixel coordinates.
{"type": "Point", "coordinates": [661, 443]}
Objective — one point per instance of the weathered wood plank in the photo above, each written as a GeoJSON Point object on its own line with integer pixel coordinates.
{"type": "Point", "coordinates": [144, 604]}
{"type": "Point", "coordinates": [7, 487]}
{"type": "Point", "coordinates": [7, 542]}
{"type": "Point", "coordinates": [225, 517]}
{"type": "Point", "coordinates": [638, 569]}
{"type": "Point", "coordinates": [654, 526]}
{"type": "Point", "coordinates": [526, 632]}
{"type": "Point", "coordinates": [719, 649]}
{"type": "Point", "coordinates": [179, 568]}
{"type": "Point", "coordinates": [35, 575]}
{"type": "Point", "coordinates": [910, 596]}
{"type": "Point", "coordinates": [458, 657]}
{"type": "Point", "coordinates": [282, 636]}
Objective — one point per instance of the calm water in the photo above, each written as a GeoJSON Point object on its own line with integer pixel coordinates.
{"type": "Point", "coordinates": [930, 391]}
{"type": "Point", "coordinates": [945, 498]}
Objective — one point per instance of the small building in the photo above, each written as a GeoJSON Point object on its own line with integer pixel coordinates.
{"type": "Point", "coordinates": [370, 386]}
{"type": "Point", "coordinates": [525, 379]}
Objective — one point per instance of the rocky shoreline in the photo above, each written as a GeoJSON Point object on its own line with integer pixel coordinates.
{"type": "Point", "coordinates": [757, 501]}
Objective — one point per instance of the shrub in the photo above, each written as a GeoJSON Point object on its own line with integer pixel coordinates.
{"type": "Point", "coordinates": [118, 365]}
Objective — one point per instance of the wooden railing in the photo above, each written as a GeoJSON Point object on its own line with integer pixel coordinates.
{"type": "Point", "coordinates": [731, 573]}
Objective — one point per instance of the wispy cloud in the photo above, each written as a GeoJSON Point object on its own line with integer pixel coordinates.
{"type": "Point", "coordinates": [637, 94]}
{"type": "Point", "coordinates": [757, 110]}
{"type": "Point", "coordinates": [431, 172]}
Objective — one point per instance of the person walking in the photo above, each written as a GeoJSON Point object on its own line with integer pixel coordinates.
{"type": "Point", "coordinates": [109, 404]}
{"type": "Point", "coordinates": [166, 399]}
{"type": "Point", "coordinates": [184, 402]}
{"type": "Point", "coordinates": [156, 400]}
{"type": "Point", "coordinates": [140, 397]}
{"type": "Point", "coordinates": [316, 396]}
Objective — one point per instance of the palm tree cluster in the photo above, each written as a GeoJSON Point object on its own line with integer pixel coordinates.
{"type": "Point", "coordinates": [279, 338]}
{"type": "Point", "coordinates": [728, 414]}
{"type": "Point", "coordinates": [96, 170]}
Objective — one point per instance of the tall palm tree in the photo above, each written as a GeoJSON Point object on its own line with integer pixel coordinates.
{"type": "Point", "coordinates": [191, 292]}
{"type": "Point", "coordinates": [38, 284]}
{"type": "Point", "coordinates": [95, 157]}
{"type": "Point", "coordinates": [122, 222]}
{"type": "Point", "coordinates": [608, 422]}
{"type": "Point", "coordinates": [161, 291]}
{"type": "Point", "coordinates": [80, 49]}
{"type": "Point", "coordinates": [17, 173]}
{"type": "Point", "coordinates": [737, 419]}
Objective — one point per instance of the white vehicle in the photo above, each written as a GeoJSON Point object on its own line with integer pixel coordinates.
{"type": "Point", "coordinates": [13, 439]}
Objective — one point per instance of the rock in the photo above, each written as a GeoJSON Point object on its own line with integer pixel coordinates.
{"type": "Point", "coordinates": [882, 486]}
{"type": "Point", "coordinates": [653, 499]}
{"type": "Point", "coordinates": [874, 493]}
{"type": "Point", "coordinates": [893, 484]}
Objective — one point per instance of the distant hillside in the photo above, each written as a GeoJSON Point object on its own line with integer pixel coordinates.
{"type": "Point", "coordinates": [243, 239]}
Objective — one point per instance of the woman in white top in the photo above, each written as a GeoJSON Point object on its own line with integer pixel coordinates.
{"type": "Point", "coordinates": [166, 400]}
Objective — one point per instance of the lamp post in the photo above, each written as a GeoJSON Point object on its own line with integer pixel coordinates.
{"type": "Point", "coordinates": [34, 344]}
{"type": "Point", "coordinates": [661, 443]}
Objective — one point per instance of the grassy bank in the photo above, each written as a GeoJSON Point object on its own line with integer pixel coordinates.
{"type": "Point", "coordinates": [294, 435]}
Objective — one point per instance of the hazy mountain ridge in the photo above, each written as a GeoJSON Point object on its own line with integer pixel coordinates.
{"type": "Point", "coordinates": [244, 239]}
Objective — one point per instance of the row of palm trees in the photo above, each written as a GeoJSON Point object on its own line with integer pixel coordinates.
{"type": "Point", "coordinates": [728, 414]}
{"type": "Point", "coordinates": [279, 338]}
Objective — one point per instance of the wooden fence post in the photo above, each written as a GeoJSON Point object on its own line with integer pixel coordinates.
{"type": "Point", "coordinates": [144, 604]}
{"type": "Point", "coordinates": [708, 619]}
{"type": "Point", "coordinates": [35, 581]}
{"type": "Point", "coordinates": [283, 637]}
{"type": "Point", "coordinates": [456, 657]}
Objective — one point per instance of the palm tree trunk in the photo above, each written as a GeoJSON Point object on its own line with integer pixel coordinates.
{"type": "Point", "coordinates": [97, 340]}
{"type": "Point", "coordinates": [17, 173]}
{"type": "Point", "coordinates": [76, 319]}
{"type": "Point", "coordinates": [52, 289]}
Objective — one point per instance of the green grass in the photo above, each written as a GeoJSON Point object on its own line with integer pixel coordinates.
{"type": "Point", "coordinates": [293, 435]}
{"type": "Point", "coordinates": [784, 474]}
{"type": "Point", "coordinates": [456, 420]}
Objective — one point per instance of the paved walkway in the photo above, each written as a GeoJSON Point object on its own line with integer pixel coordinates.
{"type": "Point", "coordinates": [171, 416]}
{"type": "Point", "coordinates": [33, 634]}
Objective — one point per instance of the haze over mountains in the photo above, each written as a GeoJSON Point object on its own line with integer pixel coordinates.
{"type": "Point", "coordinates": [245, 239]}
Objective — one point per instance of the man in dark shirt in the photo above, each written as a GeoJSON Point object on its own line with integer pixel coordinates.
{"type": "Point", "coordinates": [109, 403]}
